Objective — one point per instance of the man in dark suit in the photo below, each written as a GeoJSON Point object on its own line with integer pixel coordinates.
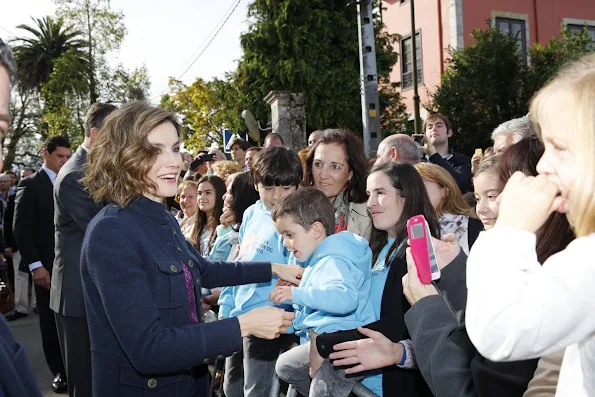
{"type": "Point", "coordinates": [73, 210]}
{"type": "Point", "coordinates": [33, 229]}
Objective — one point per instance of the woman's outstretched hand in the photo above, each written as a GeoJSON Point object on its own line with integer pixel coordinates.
{"type": "Point", "coordinates": [377, 351]}
{"type": "Point", "coordinates": [290, 273]}
{"type": "Point", "coordinates": [265, 322]}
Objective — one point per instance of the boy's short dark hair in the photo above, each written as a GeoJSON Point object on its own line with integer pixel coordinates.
{"type": "Point", "coordinates": [242, 143]}
{"type": "Point", "coordinates": [254, 149]}
{"type": "Point", "coordinates": [306, 206]}
{"type": "Point", "coordinates": [95, 116]}
{"type": "Point", "coordinates": [435, 117]}
{"type": "Point", "coordinates": [277, 166]}
{"type": "Point", "coordinates": [54, 142]}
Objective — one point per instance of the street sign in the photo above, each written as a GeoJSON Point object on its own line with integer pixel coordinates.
{"type": "Point", "coordinates": [229, 136]}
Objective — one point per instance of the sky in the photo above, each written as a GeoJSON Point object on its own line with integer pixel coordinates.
{"type": "Point", "coordinates": [164, 35]}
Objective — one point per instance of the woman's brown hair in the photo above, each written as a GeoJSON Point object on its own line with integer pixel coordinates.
{"type": "Point", "coordinates": [118, 166]}
{"type": "Point", "coordinates": [453, 201]}
{"type": "Point", "coordinates": [355, 157]}
{"type": "Point", "coordinates": [204, 222]}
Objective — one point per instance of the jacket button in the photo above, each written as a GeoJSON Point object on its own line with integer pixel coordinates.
{"type": "Point", "coordinates": [190, 263]}
{"type": "Point", "coordinates": [205, 361]}
{"type": "Point", "coordinates": [152, 383]}
{"type": "Point", "coordinates": [174, 231]}
{"type": "Point", "coordinates": [198, 280]}
{"type": "Point", "coordinates": [173, 269]}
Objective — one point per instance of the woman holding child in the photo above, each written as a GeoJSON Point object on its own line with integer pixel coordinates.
{"type": "Point", "coordinates": [142, 280]}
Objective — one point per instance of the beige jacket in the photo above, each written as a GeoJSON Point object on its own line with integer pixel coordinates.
{"type": "Point", "coordinates": [546, 376]}
{"type": "Point", "coordinates": [359, 221]}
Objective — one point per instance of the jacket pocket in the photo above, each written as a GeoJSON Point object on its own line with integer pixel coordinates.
{"type": "Point", "coordinates": [170, 288]}
{"type": "Point", "coordinates": [132, 384]}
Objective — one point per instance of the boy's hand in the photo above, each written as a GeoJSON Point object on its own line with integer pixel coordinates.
{"type": "Point", "coordinates": [281, 294]}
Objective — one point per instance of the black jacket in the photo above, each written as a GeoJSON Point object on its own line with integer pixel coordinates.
{"type": "Point", "coordinates": [7, 234]}
{"type": "Point", "coordinates": [446, 357]}
{"type": "Point", "coordinates": [33, 224]}
{"type": "Point", "coordinates": [458, 165]}
{"type": "Point", "coordinates": [395, 381]}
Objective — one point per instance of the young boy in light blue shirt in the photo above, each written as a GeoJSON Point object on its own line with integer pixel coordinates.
{"type": "Point", "coordinates": [276, 173]}
{"type": "Point", "coordinates": [334, 293]}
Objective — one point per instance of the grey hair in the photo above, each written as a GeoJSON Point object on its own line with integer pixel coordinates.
{"type": "Point", "coordinates": [406, 147]}
{"type": "Point", "coordinates": [520, 129]}
{"type": "Point", "coordinates": [7, 60]}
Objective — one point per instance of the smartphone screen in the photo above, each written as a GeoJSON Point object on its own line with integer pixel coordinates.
{"type": "Point", "coordinates": [434, 268]}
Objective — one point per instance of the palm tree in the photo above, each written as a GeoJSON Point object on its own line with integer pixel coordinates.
{"type": "Point", "coordinates": [35, 56]}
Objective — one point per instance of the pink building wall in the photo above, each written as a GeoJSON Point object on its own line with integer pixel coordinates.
{"type": "Point", "coordinates": [460, 17]}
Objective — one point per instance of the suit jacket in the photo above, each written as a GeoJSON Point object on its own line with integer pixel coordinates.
{"type": "Point", "coordinates": [16, 377]}
{"type": "Point", "coordinates": [137, 302]}
{"type": "Point", "coordinates": [7, 233]}
{"type": "Point", "coordinates": [33, 224]}
{"type": "Point", "coordinates": [73, 210]}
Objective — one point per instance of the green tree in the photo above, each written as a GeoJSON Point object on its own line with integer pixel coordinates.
{"type": "Point", "coordinates": [104, 31]}
{"type": "Point", "coordinates": [310, 46]}
{"type": "Point", "coordinates": [124, 85]}
{"type": "Point", "coordinates": [488, 83]}
{"type": "Point", "coordinates": [200, 109]}
{"type": "Point", "coordinates": [35, 56]}
{"type": "Point", "coordinates": [25, 116]}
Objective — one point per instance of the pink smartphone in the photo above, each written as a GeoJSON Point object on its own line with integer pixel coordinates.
{"type": "Point", "coordinates": [422, 249]}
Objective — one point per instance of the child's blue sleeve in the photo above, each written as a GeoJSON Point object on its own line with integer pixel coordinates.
{"type": "Point", "coordinates": [226, 302]}
{"type": "Point", "coordinates": [333, 289]}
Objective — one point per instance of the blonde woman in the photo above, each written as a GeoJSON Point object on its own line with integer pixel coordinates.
{"type": "Point", "coordinates": [516, 308]}
{"type": "Point", "coordinates": [225, 168]}
{"type": "Point", "coordinates": [187, 197]}
{"type": "Point", "coordinates": [454, 213]}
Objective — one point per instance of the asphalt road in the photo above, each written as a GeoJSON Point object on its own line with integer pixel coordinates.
{"type": "Point", "coordinates": [26, 330]}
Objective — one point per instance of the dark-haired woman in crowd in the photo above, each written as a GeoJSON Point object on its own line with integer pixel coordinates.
{"type": "Point", "coordinates": [337, 166]}
{"type": "Point", "coordinates": [210, 193]}
{"type": "Point", "coordinates": [396, 193]}
{"type": "Point", "coordinates": [444, 354]}
{"type": "Point", "coordinates": [142, 279]}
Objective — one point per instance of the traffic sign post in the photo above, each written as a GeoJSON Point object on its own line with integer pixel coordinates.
{"type": "Point", "coordinates": [229, 137]}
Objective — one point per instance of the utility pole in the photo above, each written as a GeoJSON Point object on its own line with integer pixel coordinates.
{"type": "Point", "coordinates": [368, 77]}
{"type": "Point", "coordinates": [417, 118]}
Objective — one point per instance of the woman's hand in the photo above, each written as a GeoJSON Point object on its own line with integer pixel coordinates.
{"type": "Point", "coordinates": [281, 294]}
{"type": "Point", "coordinates": [446, 249]}
{"type": "Point", "coordinates": [290, 273]}
{"type": "Point", "coordinates": [528, 201]}
{"type": "Point", "coordinates": [375, 352]}
{"type": "Point", "coordinates": [227, 218]}
{"type": "Point", "coordinates": [265, 322]}
{"type": "Point", "coordinates": [413, 288]}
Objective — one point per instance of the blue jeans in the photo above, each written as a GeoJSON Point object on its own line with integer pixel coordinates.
{"type": "Point", "coordinates": [293, 367]}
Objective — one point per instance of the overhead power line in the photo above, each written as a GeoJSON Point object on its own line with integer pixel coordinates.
{"type": "Point", "coordinates": [205, 45]}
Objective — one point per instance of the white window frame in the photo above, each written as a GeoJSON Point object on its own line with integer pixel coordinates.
{"type": "Point", "coordinates": [520, 17]}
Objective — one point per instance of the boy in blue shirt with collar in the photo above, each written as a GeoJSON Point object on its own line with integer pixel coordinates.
{"type": "Point", "coordinates": [276, 173]}
{"type": "Point", "coordinates": [334, 293]}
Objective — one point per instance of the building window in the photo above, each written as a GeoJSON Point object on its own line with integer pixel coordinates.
{"type": "Point", "coordinates": [574, 29]}
{"type": "Point", "coordinates": [516, 28]}
{"type": "Point", "coordinates": [407, 61]}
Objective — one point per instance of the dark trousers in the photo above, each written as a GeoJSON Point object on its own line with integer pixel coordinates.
{"type": "Point", "coordinates": [49, 334]}
{"type": "Point", "coordinates": [76, 352]}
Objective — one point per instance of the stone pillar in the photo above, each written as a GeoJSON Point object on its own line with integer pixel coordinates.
{"type": "Point", "coordinates": [288, 115]}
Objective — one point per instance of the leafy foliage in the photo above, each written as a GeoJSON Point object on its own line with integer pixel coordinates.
{"type": "Point", "coordinates": [488, 83]}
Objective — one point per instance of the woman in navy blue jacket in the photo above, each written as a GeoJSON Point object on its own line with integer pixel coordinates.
{"type": "Point", "coordinates": [142, 280]}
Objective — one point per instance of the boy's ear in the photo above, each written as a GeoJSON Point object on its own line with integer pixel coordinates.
{"type": "Point", "coordinates": [450, 132]}
{"type": "Point", "coordinates": [318, 229]}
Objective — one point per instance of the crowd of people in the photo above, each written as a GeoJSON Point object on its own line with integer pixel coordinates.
{"type": "Point", "coordinates": [150, 263]}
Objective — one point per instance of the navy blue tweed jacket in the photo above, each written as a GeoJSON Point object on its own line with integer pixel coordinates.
{"type": "Point", "coordinates": [142, 341]}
